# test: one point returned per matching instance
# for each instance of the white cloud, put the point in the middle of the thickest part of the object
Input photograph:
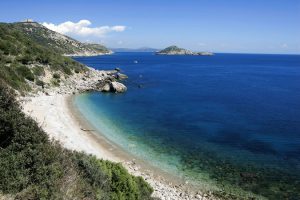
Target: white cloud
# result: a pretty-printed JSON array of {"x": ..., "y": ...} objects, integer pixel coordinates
[{"x": 82, "y": 28}]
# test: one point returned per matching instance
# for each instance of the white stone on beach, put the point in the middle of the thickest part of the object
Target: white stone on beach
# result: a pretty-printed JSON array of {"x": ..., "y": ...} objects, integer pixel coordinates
[
  {"x": 106, "y": 87},
  {"x": 118, "y": 87}
]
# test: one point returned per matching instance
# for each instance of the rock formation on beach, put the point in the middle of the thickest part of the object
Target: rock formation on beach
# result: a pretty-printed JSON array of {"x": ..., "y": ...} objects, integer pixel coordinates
[
  {"x": 174, "y": 50},
  {"x": 112, "y": 86},
  {"x": 90, "y": 80}
]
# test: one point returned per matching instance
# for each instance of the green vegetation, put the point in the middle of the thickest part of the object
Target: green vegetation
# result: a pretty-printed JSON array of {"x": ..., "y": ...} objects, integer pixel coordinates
[
  {"x": 98, "y": 47},
  {"x": 23, "y": 58},
  {"x": 11, "y": 76},
  {"x": 171, "y": 48},
  {"x": 34, "y": 167},
  {"x": 40, "y": 83},
  {"x": 55, "y": 41},
  {"x": 56, "y": 76},
  {"x": 25, "y": 72},
  {"x": 38, "y": 71}
]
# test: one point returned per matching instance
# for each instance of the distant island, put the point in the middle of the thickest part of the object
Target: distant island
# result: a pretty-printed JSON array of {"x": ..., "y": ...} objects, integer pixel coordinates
[{"x": 174, "y": 50}]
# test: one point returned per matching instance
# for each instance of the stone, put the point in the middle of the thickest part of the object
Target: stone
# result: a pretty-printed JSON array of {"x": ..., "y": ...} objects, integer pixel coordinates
[
  {"x": 117, "y": 87},
  {"x": 106, "y": 87},
  {"x": 120, "y": 76}
]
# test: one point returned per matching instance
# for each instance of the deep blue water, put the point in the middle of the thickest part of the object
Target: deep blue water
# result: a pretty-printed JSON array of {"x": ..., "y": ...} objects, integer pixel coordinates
[{"x": 207, "y": 118}]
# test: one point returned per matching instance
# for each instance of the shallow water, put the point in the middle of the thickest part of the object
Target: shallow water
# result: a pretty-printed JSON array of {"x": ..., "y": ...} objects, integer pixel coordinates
[{"x": 228, "y": 119}]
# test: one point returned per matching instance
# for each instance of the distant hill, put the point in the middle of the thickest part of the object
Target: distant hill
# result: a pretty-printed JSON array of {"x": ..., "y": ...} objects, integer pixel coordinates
[
  {"x": 142, "y": 49},
  {"x": 174, "y": 50},
  {"x": 60, "y": 43},
  {"x": 99, "y": 47}
]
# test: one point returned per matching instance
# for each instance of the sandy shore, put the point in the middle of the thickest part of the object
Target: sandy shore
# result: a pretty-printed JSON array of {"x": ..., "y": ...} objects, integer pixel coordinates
[{"x": 60, "y": 120}]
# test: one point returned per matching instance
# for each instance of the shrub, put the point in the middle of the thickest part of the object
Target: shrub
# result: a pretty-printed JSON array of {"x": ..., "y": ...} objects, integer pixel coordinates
[
  {"x": 55, "y": 82},
  {"x": 56, "y": 76},
  {"x": 25, "y": 72},
  {"x": 40, "y": 83},
  {"x": 25, "y": 59},
  {"x": 38, "y": 71}
]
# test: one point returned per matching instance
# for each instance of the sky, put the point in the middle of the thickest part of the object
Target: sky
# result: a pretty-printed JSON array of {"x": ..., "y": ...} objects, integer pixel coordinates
[{"x": 235, "y": 26}]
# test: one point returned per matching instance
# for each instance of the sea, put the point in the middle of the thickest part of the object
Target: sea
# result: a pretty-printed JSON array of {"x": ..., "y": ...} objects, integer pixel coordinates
[{"x": 228, "y": 121}]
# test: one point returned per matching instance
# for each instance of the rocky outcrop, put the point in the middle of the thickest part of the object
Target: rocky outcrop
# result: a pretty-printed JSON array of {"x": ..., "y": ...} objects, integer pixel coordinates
[
  {"x": 111, "y": 86},
  {"x": 117, "y": 87},
  {"x": 91, "y": 80},
  {"x": 120, "y": 76}
]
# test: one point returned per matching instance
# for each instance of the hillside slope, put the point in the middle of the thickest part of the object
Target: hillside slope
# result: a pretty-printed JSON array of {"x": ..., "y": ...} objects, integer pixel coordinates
[
  {"x": 58, "y": 42},
  {"x": 24, "y": 61}
]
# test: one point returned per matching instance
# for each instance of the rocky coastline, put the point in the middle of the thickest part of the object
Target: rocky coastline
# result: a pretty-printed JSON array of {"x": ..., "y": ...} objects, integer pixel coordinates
[
  {"x": 90, "y": 80},
  {"x": 88, "y": 54}
]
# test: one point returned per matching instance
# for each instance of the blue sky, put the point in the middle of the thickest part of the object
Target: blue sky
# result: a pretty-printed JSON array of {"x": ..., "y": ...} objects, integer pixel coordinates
[{"x": 256, "y": 26}]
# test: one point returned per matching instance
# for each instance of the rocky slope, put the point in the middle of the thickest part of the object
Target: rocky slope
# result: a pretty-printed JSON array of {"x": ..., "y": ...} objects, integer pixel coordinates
[
  {"x": 28, "y": 63},
  {"x": 90, "y": 80},
  {"x": 59, "y": 42},
  {"x": 174, "y": 50}
]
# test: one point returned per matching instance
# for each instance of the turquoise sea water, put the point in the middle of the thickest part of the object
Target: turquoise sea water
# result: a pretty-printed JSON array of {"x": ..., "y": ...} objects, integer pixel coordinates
[{"x": 229, "y": 120}]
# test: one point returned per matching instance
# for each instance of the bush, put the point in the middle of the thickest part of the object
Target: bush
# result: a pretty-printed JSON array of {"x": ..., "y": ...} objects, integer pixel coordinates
[
  {"x": 112, "y": 178},
  {"x": 25, "y": 72},
  {"x": 55, "y": 82},
  {"x": 38, "y": 71},
  {"x": 39, "y": 83},
  {"x": 25, "y": 59},
  {"x": 56, "y": 76}
]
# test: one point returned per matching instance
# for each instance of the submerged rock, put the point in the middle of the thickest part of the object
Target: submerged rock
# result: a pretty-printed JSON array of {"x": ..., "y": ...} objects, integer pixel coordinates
[{"x": 120, "y": 76}]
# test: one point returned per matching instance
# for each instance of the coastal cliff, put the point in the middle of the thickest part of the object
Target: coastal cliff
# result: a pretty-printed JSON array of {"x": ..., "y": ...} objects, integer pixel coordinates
[{"x": 174, "y": 50}]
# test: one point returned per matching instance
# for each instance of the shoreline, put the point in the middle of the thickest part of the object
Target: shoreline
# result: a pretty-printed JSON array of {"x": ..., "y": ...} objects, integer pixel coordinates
[{"x": 62, "y": 121}]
